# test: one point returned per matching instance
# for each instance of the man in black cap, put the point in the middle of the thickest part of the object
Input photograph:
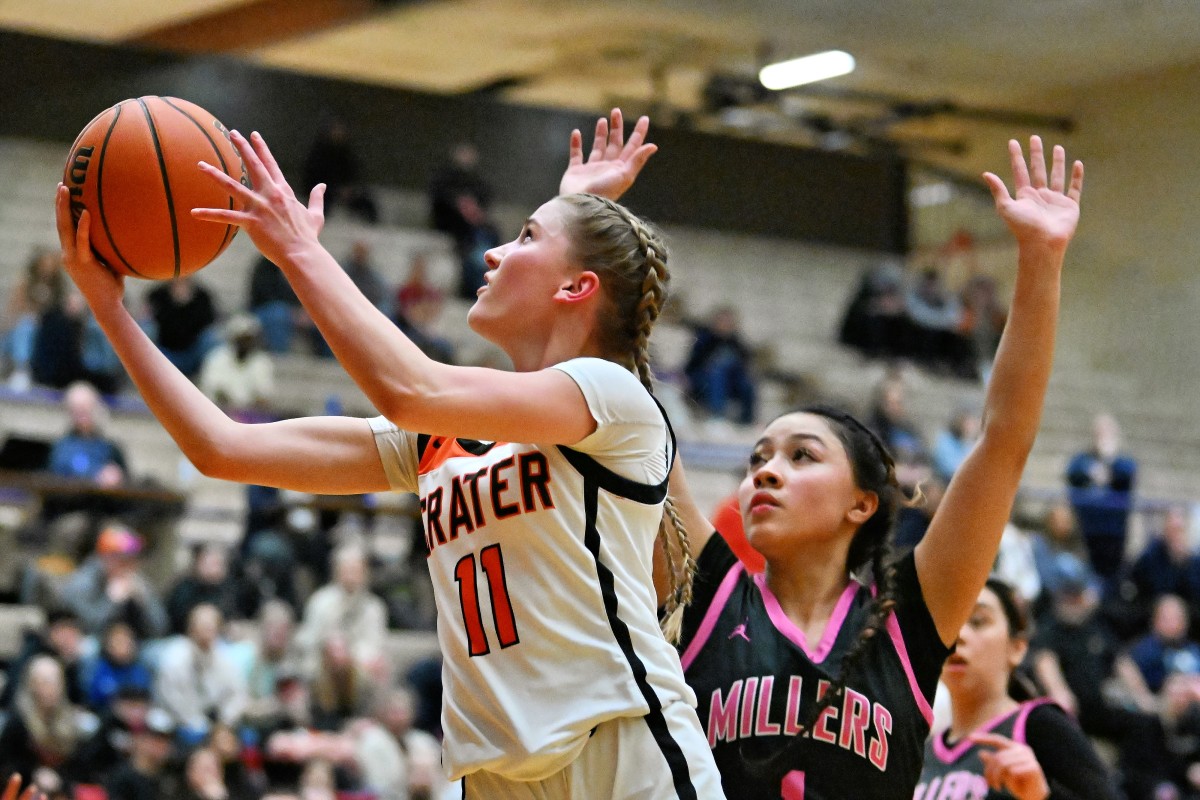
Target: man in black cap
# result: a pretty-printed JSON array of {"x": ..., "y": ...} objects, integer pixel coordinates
[
  {"x": 144, "y": 776},
  {"x": 112, "y": 743}
]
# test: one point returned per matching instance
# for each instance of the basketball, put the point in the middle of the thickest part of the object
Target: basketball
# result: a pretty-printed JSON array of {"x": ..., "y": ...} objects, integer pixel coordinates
[{"x": 134, "y": 168}]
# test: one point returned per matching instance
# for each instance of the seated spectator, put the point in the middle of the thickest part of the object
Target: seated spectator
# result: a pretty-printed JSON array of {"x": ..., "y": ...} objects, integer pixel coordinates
[
  {"x": 1016, "y": 565},
  {"x": 184, "y": 317},
  {"x": 1100, "y": 483},
  {"x": 110, "y": 586},
  {"x": 419, "y": 323},
  {"x": 197, "y": 683},
  {"x": 207, "y": 776},
  {"x": 1074, "y": 655},
  {"x": 1181, "y": 717},
  {"x": 57, "y": 357},
  {"x": 417, "y": 287},
  {"x": 366, "y": 277},
  {"x": 397, "y": 760},
  {"x": 112, "y": 743},
  {"x": 275, "y": 661},
  {"x": 333, "y": 161},
  {"x": 1166, "y": 650},
  {"x": 208, "y": 582},
  {"x": 983, "y": 320},
  {"x": 875, "y": 322},
  {"x": 275, "y": 304},
  {"x": 145, "y": 775},
  {"x": 348, "y": 607},
  {"x": 239, "y": 764},
  {"x": 481, "y": 236},
  {"x": 890, "y": 420},
  {"x": 935, "y": 317},
  {"x": 1058, "y": 535},
  {"x": 1169, "y": 564},
  {"x": 45, "y": 729},
  {"x": 62, "y": 642},
  {"x": 719, "y": 368},
  {"x": 40, "y": 287},
  {"x": 84, "y": 451},
  {"x": 119, "y": 664},
  {"x": 341, "y": 689},
  {"x": 954, "y": 442},
  {"x": 238, "y": 374},
  {"x": 452, "y": 182}
]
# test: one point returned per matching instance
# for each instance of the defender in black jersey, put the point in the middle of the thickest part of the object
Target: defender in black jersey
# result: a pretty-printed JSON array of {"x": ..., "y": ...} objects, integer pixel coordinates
[
  {"x": 814, "y": 680},
  {"x": 756, "y": 678},
  {"x": 997, "y": 748}
]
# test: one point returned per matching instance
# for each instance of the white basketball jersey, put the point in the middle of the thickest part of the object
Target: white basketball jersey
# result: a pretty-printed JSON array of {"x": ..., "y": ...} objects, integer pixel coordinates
[{"x": 541, "y": 565}]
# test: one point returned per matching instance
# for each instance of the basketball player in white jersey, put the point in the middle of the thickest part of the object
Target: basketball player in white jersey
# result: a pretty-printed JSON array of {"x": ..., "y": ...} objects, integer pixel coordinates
[{"x": 542, "y": 490}]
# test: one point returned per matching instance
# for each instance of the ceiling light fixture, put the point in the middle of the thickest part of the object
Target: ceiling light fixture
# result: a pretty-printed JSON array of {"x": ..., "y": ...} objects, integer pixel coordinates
[{"x": 808, "y": 69}]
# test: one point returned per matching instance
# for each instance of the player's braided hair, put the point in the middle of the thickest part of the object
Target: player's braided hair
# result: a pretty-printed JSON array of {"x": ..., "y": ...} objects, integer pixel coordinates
[
  {"x": 630, "y": 258},
  {"x": 874, "y": 471},
  {"x": 1021, "y": 685}
]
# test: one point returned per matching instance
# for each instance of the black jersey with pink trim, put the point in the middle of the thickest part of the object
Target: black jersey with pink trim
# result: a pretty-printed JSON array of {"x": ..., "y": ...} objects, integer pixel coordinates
[
  {"x": 1073, "y": 770},
  {"x": 756, "y": 683}
]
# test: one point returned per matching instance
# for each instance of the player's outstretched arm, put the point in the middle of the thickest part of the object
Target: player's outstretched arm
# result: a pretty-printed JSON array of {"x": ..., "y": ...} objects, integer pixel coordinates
[
  {"x": 329, "y": 455},
  {"x": 410, "y": 389},
  {"x": 613, "y": 164},
  {"x": 954, "y": 558}
]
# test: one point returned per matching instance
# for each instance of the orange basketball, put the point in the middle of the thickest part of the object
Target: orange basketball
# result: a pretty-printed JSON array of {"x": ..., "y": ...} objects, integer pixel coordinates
[{"x": 134, "y": 168}]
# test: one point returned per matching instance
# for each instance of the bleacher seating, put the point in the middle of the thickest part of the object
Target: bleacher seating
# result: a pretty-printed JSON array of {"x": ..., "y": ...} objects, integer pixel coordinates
[{"x": 794, "y": 303}]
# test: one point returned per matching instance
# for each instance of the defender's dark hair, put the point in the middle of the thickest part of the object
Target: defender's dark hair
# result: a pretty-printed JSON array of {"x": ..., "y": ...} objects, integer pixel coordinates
[
  {"x": 1021, "y": 685},
  {"x": 874, "y": 470}
]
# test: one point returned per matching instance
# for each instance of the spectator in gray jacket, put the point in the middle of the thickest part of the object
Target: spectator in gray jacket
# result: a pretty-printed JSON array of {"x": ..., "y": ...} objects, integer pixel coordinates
[{"x": 110, "y": 586}]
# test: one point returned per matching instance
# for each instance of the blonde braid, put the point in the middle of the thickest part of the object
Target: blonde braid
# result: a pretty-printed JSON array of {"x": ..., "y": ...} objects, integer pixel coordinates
[
  {"x": 636, "y": 278},
  {"x": 680, "y": 563}
]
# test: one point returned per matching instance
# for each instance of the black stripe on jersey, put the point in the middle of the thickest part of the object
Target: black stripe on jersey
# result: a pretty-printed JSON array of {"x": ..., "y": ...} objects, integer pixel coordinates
[
  {"x": 472, "y": 446},
  {"x": 594, "y": 476},
  {"x": 604, "y": 478}
]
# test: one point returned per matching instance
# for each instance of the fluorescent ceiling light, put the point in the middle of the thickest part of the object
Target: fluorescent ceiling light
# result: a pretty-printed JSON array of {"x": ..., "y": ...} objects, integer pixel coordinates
[{"x": 809, "y": 69}]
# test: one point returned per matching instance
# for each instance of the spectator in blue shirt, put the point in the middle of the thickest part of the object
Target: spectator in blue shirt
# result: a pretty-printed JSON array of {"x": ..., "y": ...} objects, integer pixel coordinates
[
  {"x": 1166, "y": 650},
  {"x": 84, "y": 452},
  {"x": 1100, "y": 482},
  {"x": 118, "y": 665}
]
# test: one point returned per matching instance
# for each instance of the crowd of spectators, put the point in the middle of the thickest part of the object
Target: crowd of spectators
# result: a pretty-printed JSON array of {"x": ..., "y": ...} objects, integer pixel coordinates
[
  {"x": 135, "y": 691},
  {"x": 1116, "y": 636},
  {"x": 903, "y": 314},
  {"x": 233, "y": 680}
]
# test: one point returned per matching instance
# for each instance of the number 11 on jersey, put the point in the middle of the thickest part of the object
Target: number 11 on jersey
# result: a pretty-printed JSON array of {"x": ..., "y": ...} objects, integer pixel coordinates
[{"x": 492, "y": 561}]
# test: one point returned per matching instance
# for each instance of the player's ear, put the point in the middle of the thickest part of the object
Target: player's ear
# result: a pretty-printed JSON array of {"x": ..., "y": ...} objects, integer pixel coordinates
[
  {"x": 865, "y": 504},
  {"x": 579, "y": 288}
]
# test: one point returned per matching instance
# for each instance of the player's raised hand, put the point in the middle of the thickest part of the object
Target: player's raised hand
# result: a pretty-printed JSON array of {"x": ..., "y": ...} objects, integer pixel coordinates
[
  {"x": 97, "y": 283},
  {"x": 14, "y": 786},
  {"x": 276, "y": 221},
  {"x": 1012, "y": 767},
  {"x": 1042, "y": 207},
  {"x": 614, "y": 164}
]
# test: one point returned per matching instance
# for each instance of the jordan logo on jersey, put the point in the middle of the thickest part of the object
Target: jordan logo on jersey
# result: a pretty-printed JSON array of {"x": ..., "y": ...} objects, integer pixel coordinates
[
  {"x": 856, "y": 724},
  {"x": 740, "y": 630},
  {"x": 519, "y": 484}
]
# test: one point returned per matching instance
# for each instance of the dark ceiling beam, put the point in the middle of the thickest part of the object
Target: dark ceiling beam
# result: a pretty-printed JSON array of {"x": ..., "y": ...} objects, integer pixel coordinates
[{"x": 254, "y": 25}]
